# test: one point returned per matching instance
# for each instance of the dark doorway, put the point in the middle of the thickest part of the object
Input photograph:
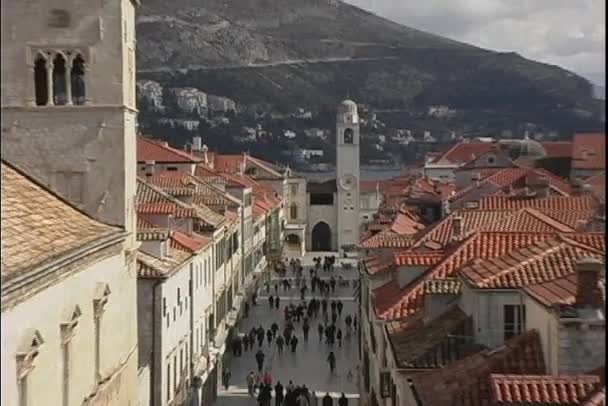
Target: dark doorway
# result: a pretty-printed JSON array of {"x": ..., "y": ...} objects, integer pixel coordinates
[{"x": 321, "y": 237}]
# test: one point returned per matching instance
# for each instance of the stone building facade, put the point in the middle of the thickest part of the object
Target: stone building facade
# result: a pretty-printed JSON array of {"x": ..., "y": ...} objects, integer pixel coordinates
[{"x": 69, "y": 123}]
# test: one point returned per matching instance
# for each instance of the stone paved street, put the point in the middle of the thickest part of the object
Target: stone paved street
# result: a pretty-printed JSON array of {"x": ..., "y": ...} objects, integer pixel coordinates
[{"x": 308, "y": 365}]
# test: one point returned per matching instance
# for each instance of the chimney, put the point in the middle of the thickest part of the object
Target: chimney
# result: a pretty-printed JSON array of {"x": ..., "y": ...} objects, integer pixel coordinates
[
  {"x": 457, "y": 227},
  {"x": 189, "y": 148},
  {"x": 588, "y": 271},
  {"x": 477, "y": 178},
  {"x": 541, "y": 186},
  {"x": 197, "y": 143},
  {"x": 205, "y": 149},
  {"x": 150, "y": 168},
  {"x": 586, "y": 189}
]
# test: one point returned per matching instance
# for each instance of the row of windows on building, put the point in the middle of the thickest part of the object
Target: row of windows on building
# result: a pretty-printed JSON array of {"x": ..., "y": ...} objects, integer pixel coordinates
[{"x": 59, "y": 78}]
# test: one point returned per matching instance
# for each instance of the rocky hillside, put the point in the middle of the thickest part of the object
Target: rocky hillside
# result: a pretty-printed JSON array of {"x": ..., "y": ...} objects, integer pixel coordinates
[{"x": 312, "y": 53}]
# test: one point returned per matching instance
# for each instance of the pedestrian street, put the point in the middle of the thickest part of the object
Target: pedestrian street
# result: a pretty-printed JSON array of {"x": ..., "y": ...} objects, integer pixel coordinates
[{"x": 308, "y": 365}]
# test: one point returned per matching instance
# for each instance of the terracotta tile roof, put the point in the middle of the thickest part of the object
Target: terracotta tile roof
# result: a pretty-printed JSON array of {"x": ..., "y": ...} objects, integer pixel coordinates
[
  {"x": 445, "y": 286},
  {"x": 589, "y": 151},
  {"x": 430, "y": 345},
  {"x": 386, "y": 239},
  {"x": 597, "y": 398},
  {"x": 464, "y": 152},
  {"x": 399, "y": 303},
  {"x": 188, "y": 243},
  {"x": 272, "y": 169},
  {"x": 152, "y": 200},
  {"x": 229, "y": 163},
  {"x": 535, "y": 263},
  {"x": 414, "y": 258},
  {"x": 548, "y": 203},
  {"x": 160, "y": 152},
  {"x": 542, "y": 389},
  {"x": 467, "y": 381},
  {"x": 376, "y": 264},
  {"x": 557, "y": 149},
  {"x": 209, "y": 175},
  {"x": 404, "y": 224},
  {"x": 149, "y": 266},
  {"x": 561, "y": 291},
  {"x": 473, "y": 220},
  {"x": 38, "y": 226}
]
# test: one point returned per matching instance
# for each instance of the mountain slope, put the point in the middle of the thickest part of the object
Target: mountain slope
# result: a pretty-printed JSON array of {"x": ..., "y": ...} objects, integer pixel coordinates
[{"x": 312, "y": 53}]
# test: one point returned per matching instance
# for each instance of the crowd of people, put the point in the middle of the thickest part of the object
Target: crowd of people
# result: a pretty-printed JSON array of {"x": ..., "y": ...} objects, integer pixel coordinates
[{"x": 326, "y": 313}]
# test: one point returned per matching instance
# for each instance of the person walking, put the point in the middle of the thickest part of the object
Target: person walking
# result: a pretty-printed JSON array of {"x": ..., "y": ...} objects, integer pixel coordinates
[
  {"x": 280, "y": 344},
  {"x": 226, "y": 375},
  {"x": 332, "y": 283},
  {"x": 343, "y": 401},
  {"x": 327, "y": 400},
  {"x": 320, "y": 331},
  {"x": 269, "y": 337},
  {"x": 260, "y": 333},
  {"x": 340, "y": 306},
  {"x": 349, "y": 321},
  {"x": 355, "y": 322},
  {"x": 246, "y": 309},
  {"x": 305, "y": 329},
  {"x": 259, "y": 358},
  {"x": 265, "y": 396},
  {"x": 271, "y": 301},
  {"x": 331, "y": 359},
  {"x": 276, "y": 289},
  {"x": 267, "y": 378},
  {"x": 293, "y": 343},
  {"x": 254, "y": 299},
  {"x": 251, "y": 383},
  {"x": 333, "y": 306},
  {"x": 278, "y": 394},
  {"x": 277, "y": 300},
  {"x": 302, "y": 400},
  {"x": 339, "y": 337},
  {"x": 324, "y": 306},
  {"x": 246, "y": 342},
  {"x": 274, "y": 327}
]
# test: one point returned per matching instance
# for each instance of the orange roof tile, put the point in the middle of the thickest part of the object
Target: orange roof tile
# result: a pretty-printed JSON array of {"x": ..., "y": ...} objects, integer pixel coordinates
[
  {"x": 409, "y": 300},
  {"x": 589, "y": 151},
  {"x": 375, "y": 264},
  {"x": 547, "y": 203},
  {"x": 160, "y": 151},
  {"x": 536, "y": 263},
  {"x": 413, "y": 258},
  {"x": 557, "y": 149},
  {"x": 542, "y": 389},
  {"x": 467, "y": 382},
  {"x": 464, "y": 152},
  {"x": 188, "y": 243},
  {"x": 386, "y": 239},
  {"x": 561, "y": 291}
]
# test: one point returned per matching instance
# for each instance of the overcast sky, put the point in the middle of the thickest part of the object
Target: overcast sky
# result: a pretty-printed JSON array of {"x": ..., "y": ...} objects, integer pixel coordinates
[{"x": 568, "y": 33}]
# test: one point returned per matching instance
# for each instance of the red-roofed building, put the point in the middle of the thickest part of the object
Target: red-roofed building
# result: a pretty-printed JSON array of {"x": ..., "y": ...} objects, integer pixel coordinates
[
  {"x": 588, "y": 155},
  {"x": 157, "y": 156}
]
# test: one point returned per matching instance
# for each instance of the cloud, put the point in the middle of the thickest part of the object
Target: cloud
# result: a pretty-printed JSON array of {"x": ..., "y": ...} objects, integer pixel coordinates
[{"x": 568, "y": 33}]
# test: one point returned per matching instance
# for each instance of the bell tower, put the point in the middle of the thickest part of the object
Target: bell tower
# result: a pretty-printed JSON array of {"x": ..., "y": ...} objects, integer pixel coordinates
[
  {"x": 347, "y": 171},
  {"x": 68, "y": 101}
]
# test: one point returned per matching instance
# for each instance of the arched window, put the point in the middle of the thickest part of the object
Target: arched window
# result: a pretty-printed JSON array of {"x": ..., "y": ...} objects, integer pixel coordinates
[
  {"x": 41, "y": 81},
  {"x": 348, "y": 136},
  {"x": 293, "y": 211},
  {"x": 77, "y": 80},
  {"x": 59, "y": 80}
]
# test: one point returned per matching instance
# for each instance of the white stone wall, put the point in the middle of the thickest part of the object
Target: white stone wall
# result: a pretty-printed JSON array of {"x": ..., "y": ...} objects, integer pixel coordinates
[
  {"x": 545, "y": 321},
  {"x": 45, "y": 312},
  {"x": 487, "y": 309},
  {"x": 299, "y": 199},
  {"x": 175, "y": 334}
]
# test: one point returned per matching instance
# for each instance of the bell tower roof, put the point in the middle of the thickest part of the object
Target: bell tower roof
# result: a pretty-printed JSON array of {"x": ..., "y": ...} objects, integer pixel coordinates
[{"x": 348, "y": 106}]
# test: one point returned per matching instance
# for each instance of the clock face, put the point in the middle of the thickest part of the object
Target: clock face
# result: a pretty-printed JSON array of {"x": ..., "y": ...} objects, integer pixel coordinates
[{"x": 348, "y": 182}]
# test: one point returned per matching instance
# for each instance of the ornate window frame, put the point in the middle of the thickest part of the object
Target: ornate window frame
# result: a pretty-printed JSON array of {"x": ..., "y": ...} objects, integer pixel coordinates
[
  {"x": 27, "y": 352},
  {"x": 49, "y": 52}
]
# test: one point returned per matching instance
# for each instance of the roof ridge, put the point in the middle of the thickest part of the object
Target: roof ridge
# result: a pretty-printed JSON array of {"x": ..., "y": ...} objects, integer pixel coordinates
[
  {"x": 564, "y": 237},
  {"x": 161, "y": 144},
  {"x": 547, "y": 219}
]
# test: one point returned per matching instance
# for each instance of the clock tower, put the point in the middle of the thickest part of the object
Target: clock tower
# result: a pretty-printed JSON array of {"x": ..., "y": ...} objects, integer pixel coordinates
[{"x": 347, "y": 171}]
